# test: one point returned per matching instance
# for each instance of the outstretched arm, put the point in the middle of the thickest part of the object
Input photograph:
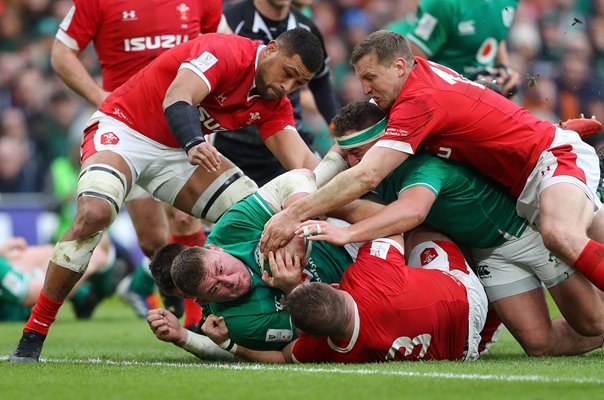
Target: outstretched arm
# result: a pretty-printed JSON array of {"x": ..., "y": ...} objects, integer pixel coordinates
[
  {"x": 166, "y": 327},
  {"x": 407, "y": 212},
  {"x": 215, "y": 328},
  {"x": 341, "y": 190}
]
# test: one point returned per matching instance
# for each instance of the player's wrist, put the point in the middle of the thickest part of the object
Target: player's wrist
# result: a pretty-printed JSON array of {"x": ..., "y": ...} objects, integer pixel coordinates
[{"x": 228, "y": 345}]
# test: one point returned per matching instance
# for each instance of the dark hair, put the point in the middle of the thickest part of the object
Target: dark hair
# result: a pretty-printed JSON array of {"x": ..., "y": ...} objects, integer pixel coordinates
[
  {"x": 161, "y": 266},
  {"x": 387, "y": 47},
  {"x": 317, "y": 309},
  {"x": 188, "y": 270},
  {"x": 355, "y": 117},
  {"x": 305, "y": 44}
]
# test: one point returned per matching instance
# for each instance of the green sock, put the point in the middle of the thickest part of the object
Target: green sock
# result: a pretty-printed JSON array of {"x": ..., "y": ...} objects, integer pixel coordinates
[{"x": 142, "y": 281}]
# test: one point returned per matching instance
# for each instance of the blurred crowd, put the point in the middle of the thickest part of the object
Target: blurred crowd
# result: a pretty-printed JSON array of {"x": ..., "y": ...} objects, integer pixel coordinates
[{"x": 556, "y": 45}]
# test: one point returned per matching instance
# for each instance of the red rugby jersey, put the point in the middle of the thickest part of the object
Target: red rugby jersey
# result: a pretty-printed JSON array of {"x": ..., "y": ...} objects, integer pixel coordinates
[
  {"x": 463, "y": 121},
  {"x": 129, "y": 34},
  {"x": 404, "y": 314},
  {"x": 227, "y": 63}
]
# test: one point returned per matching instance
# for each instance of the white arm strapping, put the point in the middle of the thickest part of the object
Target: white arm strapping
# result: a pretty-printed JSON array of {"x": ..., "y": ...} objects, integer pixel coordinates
[
  {"x": 331, "y": 165},
  {"x": 280, "y": 189},
  {"x": 203, "y": 347}
]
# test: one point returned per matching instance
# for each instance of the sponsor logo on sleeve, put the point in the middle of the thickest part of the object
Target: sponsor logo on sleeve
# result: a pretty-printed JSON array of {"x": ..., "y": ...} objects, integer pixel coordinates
[
  {"x": 379, "y": 249},
  {"x": 396, "y": 132},
  {"x": 279, "y": 335},
  {"x": 205, "y": 61}
]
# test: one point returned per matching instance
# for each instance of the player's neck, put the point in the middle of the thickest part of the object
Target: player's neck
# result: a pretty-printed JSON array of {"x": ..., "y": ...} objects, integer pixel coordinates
[{"x": 271, "y": 12}]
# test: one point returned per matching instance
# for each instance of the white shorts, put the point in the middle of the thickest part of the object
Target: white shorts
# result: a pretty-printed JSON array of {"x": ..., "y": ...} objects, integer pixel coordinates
[
  {"x": 137, "y": 193},
  {"x": 477, "y": 298},
  {"x": 518, "y": 266},
  {"x": 568, "y": 159},
  {"x": 160, "y": 170}
]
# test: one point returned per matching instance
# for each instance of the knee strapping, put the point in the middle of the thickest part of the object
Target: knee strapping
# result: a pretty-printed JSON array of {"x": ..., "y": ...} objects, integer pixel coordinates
[
  {"x": 103, "y": 182},
  {"x": 75, "y": 254},
  {"x": 229, "y": 188}
]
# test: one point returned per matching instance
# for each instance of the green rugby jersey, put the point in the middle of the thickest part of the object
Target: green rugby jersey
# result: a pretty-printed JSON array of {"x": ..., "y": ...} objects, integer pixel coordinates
[
  {"x": 13, "y": 290},
  {"x": 461, "y": 34},
  {"x": 469, "y": 208},
  {"x": 256, "y": 320}
]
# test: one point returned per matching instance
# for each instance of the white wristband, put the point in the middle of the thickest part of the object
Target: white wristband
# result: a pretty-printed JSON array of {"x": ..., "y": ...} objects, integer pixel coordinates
[
  {"x": 228, "y": 345},
  {"x": 204, "y": 348}
]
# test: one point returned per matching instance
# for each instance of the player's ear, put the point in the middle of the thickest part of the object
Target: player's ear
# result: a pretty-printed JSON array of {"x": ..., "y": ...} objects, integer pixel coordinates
[
  {"x": 335, "y": 286},
  {"x": 272, "y": 48},
  {"x": 401, "y": 66}
]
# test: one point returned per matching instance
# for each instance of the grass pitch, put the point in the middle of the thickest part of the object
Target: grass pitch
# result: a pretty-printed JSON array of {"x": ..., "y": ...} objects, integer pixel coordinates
[{"x": 115, "y": 356}]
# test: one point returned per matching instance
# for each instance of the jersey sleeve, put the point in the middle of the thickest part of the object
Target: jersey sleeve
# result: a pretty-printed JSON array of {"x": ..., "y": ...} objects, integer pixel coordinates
[
  {"x": 211, "y": 60},
  {"x": 433, "y": 24},
  {"x": 309, "y": 349},
  {"x": 269, "y": 331},
  {"x": 282, "y": 118},
  {"x": 428, "y": 175},
  {"x": 410, "y": 122},
  {"x": 80, "y": 24},
  {"x": 211, "y": 15}
]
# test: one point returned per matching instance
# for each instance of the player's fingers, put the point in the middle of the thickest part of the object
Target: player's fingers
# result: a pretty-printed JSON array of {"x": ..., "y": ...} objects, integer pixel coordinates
[
  {"x": 267, "y": 278},
  {"x": 300, "y": 228},
  {"x": 214, "y": 158}
]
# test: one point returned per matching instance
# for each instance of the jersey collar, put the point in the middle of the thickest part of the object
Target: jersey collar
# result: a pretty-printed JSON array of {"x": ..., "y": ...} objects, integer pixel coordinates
[
  {"x": 253, "y": 92},
  {"x": 260, "y": 25},
  {"x": 355, "y": 334}
]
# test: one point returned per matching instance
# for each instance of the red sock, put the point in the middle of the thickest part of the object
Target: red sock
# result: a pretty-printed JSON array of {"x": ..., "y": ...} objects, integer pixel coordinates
[
  {"x": 195, "y": 239},
  {"x": 192, "y": 312},
  {"x": 42, "y": 315},
  {"x": 591, "y": 263}
]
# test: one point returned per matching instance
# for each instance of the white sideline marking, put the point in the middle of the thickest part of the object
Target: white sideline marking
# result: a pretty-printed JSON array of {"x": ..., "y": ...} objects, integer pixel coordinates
[{"x": 365, "y": 371}]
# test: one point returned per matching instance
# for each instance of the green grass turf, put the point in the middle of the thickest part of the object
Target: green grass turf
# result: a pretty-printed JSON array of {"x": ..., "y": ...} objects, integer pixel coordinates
[{"x": 115, "y": 356}]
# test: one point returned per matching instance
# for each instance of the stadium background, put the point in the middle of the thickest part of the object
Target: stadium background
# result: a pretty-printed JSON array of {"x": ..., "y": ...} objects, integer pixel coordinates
[{"x": 556, "y": 45}]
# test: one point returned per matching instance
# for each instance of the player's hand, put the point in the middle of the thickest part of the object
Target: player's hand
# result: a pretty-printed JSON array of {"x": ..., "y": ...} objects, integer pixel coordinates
[
  {"x": 277, "y": 232},
  {"x": 286, "y": 270},
  {"x": 12, "y": 247},
  {"x": 585, "y": 127},
  {"x": 321, "y": 230},
  {"x": 508, "y": 80},
  {"x": 215, "y": 328},
  {"x": 205, "y": 155},
  {"x": 166, "y": 327}
]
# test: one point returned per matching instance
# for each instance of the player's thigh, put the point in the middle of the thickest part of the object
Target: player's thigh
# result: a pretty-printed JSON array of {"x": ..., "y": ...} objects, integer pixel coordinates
[
  {"x": 527, "y": 318},
  {"x": 565, "y": 208},
  {"x": 148, "y": 217},
  {"x": 580, "y": 304},
  {"x": 596, "y": 229}
]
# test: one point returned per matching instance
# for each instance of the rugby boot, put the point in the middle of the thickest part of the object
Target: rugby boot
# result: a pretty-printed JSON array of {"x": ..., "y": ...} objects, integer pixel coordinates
[
  {"x": 29, "y": 348},
  {"x": 585, "y": 127}
]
